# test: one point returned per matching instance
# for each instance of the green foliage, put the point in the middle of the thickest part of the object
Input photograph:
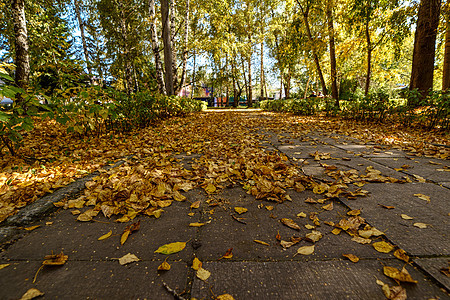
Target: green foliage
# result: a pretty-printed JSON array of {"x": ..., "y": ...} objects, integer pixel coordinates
[{"x": 373, "y": 107}]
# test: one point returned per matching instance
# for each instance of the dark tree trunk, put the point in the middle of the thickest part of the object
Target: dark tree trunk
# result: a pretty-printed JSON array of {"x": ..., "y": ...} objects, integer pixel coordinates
[
  {"x": 22, "y": 59},
  {"x": 168, "y": 58},
  {"x": 369, "y": 57},
  {"x": 333, "y": 71},
  {"x": 126, "y": 50},
  {"x": 446, "y": 67},
  {"x": 424, "y": 46},
  {"x": 155, "y": 48}
]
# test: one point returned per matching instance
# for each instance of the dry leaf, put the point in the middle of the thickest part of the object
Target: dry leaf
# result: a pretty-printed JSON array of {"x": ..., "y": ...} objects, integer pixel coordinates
[
  {"x": 225, "y": 297},
  {"x": 392, "y": 293},
  {"x": 128, "y": 258},
  {"x": 308, "y": 226},
  {"x": 196, "y": 204},
  {"x": 306, "y": 250},
  {"x": 269, "y": 207},
  {"x": 171, "y": 248},
  {"x": 196, "y": 224},
  {"x": 196, "y": 264},
  {"x": 355, "y": 212},
  {"x": 261, "y": 242},
  {"x": 383, "y": 247},
  {"x": 31, "y": 294},
  {"x": 406, "y": 217},
  {"x": 328, "y": 206},
  {"x": 314, "y": 236},
  {"x": 402, "y": 275},
  {"x": 420, "y": 225},
  {"x": 84, "y": 218},
  {"x": 240, "y": 210},
  {"x": 361, "y": 240},
  {"x": 124, "y": 236},
  {"x": 336, "y": 231},
  {"x": 423, "y": 197},
  {"x": 105, "y": 236},
  {"x": 210, "y": 188},
  {"x": 401, "y": 254},
  {"x": 2, "y": 266},
  {"x": 290, "y": 223},
  {"x": 351, "y": 257},
  {"x": 301, "y": 215},
  {"x": 228, "y": 254},
  {"x": 420, "y": 179},
  {"x": 203, "y": 274},
  {"x": 55, "y": 259},
  {"x": 387, "y": 206},
  {"x": 32, "y": 227},
  {"x": 164, "y": 266}
]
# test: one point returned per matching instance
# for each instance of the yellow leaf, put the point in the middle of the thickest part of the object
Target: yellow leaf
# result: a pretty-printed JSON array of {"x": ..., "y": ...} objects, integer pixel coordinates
[
  {"x": 164, "y": 266},
  {"x": 105, "y": 236},
  {"x": 269, "y": 207},
  {"x": 203, "y": 274},
  {"x": 196, "y": 224},
  {"x": 351, "y": 257},
  {"x": 361, "y": 240},
  {"x": 402, "y": 275},
  {"x": 240, "y": 210},
  {"x": 308, "y": 226},
  {"x": 128, "y": 258},
  {"x": 301, "y": 215},
  {"x": 423, "y": 197},
  {"x": 261, "y": 242},
  {"x": 328, "y": 206},
  {"x": 2, "y": 266},
  {"x": 32, "y": 227},
  {"x": 76, "y": 212},
  {"x": 401, "y": 254},
  {"x": 406, "y": 217},
  {"x": 228, "y": 254},
  {"x": 383, "y": 247},
  {"x": 314, "y": 236},
  {"x": 31, "y": 294},
  {"x": 196, "y": 204},
  {"x": 55, "y": 259},
  {"x": 225, "y": 297},
  {"x": 177, "y": 196},
  {"x": 336, "y": 231},
  {"x": 124, "y": 236},
  {"x": 305, "y": 250},
  {"x": 420, "y": 225},
  {"x": 290, "y": 223},
  {"x": 354, "y": 212},
  {"x": 210, "y": 188},
  {"x": 171, "y": 248},
  {"x": 196, "y": 264}
]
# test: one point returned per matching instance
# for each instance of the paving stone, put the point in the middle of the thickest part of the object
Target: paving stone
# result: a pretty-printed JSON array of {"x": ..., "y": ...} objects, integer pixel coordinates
[
  {"x": 333, "y": 279},
  {"x": 433, "y": 240},
  {"x": 433, "y": 267},
  {"x": 93, "y": 280}
]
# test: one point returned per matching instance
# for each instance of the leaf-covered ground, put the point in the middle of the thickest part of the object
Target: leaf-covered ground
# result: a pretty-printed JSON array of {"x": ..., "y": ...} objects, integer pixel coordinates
[{"x": 225, "y": 146}]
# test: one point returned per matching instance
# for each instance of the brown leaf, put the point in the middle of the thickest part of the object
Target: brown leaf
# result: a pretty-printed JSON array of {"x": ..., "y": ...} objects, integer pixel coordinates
[
  {"x": 401, "y": 254},
  {"x": 164, "y": 266},
  {"x": 402, "y": 275},
  {"x": 261, "y": 242},
  {"x": 328, "y": 206},
  {"x": 228, "y": 254},
  {"x": 351, "y": 257},
  {"x": 290, "y": 223},
  {"x": 196, "y": 204},
  {"x": 55, "y": 259},
  {"x": 32, "y": 227},
  {"x": 387, "y": 206}
]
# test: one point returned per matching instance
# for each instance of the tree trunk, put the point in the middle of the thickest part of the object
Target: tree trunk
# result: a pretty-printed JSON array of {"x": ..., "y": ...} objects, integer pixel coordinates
[
  {"x": 168, "y": 58},
  {"x": 424, "y": 46},
  {"x": 333, "y": 71},
  {"x": 369, "y": 57},
  {"x": 446, "y": 67},
  {"x": 155, "y": 47},
  {"x": 83, "y": 39},
  {"x": 249, "y": 61},
  {"x": 316, "y": 57},
  {"x": 262, "y": 70},
  {"x": 126, "y": 50},
  {"x": 307, "y": 87},
  {"x": 172, "y": 23},
  {"x": 185, "y": 50},
  {"x": 22, "y": 59},
  {"x": 287, "y": 84}
]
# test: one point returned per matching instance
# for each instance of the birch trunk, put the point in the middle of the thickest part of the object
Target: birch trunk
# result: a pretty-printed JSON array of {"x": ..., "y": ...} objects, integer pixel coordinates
[
  {"x": 185, "y": 50},
  {"x": 155, "y": 48},
  {"x": 83, "y": 38},
  {"x": 22, "y": 59}
]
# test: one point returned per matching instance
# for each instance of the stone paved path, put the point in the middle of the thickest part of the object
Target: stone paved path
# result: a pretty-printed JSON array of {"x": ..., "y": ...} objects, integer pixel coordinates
[{"x": 255, "y": 271}]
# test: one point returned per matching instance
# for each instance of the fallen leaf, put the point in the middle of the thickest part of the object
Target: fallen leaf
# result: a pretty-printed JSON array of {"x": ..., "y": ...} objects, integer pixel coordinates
[
  {"x": 336, "y": 231},
  {"x": 225, "y": 297},
  {"x": 392, "y": 293},
  {"x": 196, "y": 204},
  {"x": 84, "y": 218},
  {"x": 171, "y": 248},
  {"x": 124, "y": 236},
  {"x": 31, "y": 294},
  {"x": 278, "y": 236},
  {"x": 269, "y": 207},
  {"x": 32, "y": 227},
  {"x": 128, "y": 258},
  {"x": 308, "y": 226},
  {"x": 306, "y": 250},
  {"x": 203, "y": 274},
  {"x": 48, "y": 223},
  {"x": 423, "y": 197},
  {"x": 290, "y": 223},
  {"x": 420, "y": 179},
  {"x": 196, "y": 224},
  {"x": 310, "y": 200},
  {"x": 55, "y": 259},
  {"x": 355, "y": 212},
  {"x": 420, "y": 225},
  {"x": 196, "y": 264},
  {"x": 210, "y": 188},
  {"x": 228, "y": 254},
  {"x": 387, "y": 206},
  {"x": 401, "y": 254},
  {"x": 402, "y": 275},
  {"x": 361, "y": 240},
  {"x": 240, "y": 210},
  {"x": 314, "y": 236},
  {"x": 105, "y": 236},
  {"x": 301, "y": 215},
  {"x": 406, "y": 217},
  {"x": 164, "y": 266},
  {"x": 2, "y": 266},
  {"x": 383, "y": 247},
  {"x": 76, "y": 212},
  {"x": 351, "y": 257},
  {"x": 261, "y": 242},
  {"x": 328, "y": 206}
]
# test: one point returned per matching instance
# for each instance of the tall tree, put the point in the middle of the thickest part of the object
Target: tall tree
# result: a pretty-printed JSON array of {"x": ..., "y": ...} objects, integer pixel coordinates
[
  {"x": 22, "y": 59},
  {"x": 155, "y": 47},
  {"x": 83, "y": 37},
  {"x": 424, "y": 46},
  {"x": 446, "y": 68},
  {"x": 333, "y": 72},
  {"x": 168, "y": 54}
]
